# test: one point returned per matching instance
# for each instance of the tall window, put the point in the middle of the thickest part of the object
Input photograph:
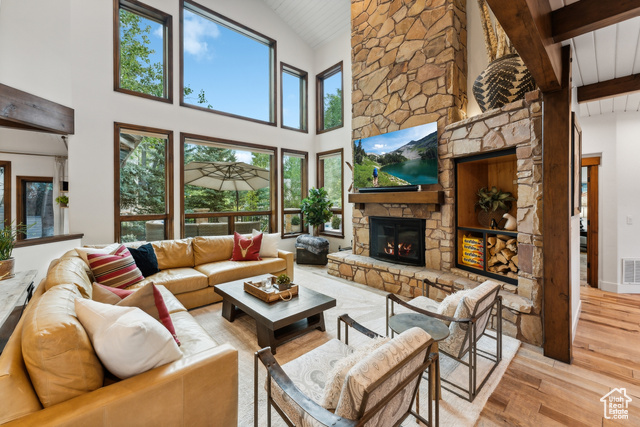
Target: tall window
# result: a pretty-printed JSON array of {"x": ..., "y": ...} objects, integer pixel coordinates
[
  {"x": 227, "y": 186},
  {"x": 142, "y": 51},
  {"x": 330, "y": 176},
  {"x": 294, "y": 189},
  {"x": 35, "y": 205},
  {"x": 5, "y": 192},
  {"x": 329, "y": 99},
  {"x": 293, "y": 98},
  {"x": 143, "y": 183},
  {"x": 227, "y": 68}
]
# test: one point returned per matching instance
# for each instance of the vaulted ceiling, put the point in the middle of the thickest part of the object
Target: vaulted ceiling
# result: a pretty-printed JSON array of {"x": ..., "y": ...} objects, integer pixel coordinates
[
  {"x": 316, "y": 22},
  {"x": 602, "y": 55}
]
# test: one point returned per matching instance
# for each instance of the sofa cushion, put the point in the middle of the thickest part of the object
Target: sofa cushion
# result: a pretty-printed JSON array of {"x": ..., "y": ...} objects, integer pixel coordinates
[
  {"x": 116, "y": 269},
  {"x": 176, "y": 280},
  {"x": 173, "y": 253},
  {"x": 127, "y": 340},
  {"x": 56, "y": 349},
  {"x": 69, "y": 270},
  {"x": 193, "y": 337},
  {"x": 246, "y": 248},
  {"x": 212, "y": 248},
  {"x": 145, "y": 259},
  {"x": 226, "y": 271}
]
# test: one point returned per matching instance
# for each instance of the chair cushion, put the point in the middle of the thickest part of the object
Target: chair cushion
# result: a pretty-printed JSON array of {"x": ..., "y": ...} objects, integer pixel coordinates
[
  {"x": 226, "y": 271},
  {"x": 56, "y": 348},
  {"x": 424, "y": 303},
  {"x": 309, "y": 373},
  {"x": 336, "y": 377},
  {"x": 70, "y": 270},
  {"x": 127, "y": 340},
  {"x": 212, "y": 248},
  {"x": 374, "y": 367},
  {"x": 450, "y": 304},
  {"x": 471, "y": 299},
  {"x": 173, "y": 253},
  {"x": 176, "y": 280}
]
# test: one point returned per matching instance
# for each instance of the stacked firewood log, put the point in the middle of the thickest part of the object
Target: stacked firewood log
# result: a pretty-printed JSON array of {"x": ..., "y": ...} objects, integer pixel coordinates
[{"x": 502, "y": 252}]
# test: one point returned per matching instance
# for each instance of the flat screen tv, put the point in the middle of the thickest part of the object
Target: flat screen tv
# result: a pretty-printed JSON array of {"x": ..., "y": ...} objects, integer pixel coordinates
[{"x": 394, "y": 159}]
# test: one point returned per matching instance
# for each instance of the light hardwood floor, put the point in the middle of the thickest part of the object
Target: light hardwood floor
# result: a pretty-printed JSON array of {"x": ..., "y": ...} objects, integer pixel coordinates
[{"x": 538, "y": 391}]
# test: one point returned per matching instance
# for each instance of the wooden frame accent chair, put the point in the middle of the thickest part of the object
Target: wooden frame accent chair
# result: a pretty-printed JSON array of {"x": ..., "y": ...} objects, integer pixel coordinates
[
  {"x": 379, "y": 389},
  {"x": 467, "y": 313}
]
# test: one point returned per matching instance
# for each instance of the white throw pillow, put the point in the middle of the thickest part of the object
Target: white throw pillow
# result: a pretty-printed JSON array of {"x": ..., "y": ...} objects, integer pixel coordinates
[
  {"x": 270, "y": 243},
  {"x": 126, "y": 339},
  {"x": 110, "y": 249}
]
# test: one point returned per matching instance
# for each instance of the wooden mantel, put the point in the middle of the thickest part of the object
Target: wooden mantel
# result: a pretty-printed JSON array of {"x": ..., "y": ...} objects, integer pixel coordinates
[
  {"x": 405, "y": 197},
  {"x": 22, "y": 110}
]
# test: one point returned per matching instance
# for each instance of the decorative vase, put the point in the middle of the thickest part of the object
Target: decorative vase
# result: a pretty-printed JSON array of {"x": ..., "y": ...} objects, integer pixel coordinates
[
  {"x": 505, "y": 80},
  {"x": 6, "y": 268},
  {"x": 485, "y": 217},
  {"x": 511, "y": 223}
]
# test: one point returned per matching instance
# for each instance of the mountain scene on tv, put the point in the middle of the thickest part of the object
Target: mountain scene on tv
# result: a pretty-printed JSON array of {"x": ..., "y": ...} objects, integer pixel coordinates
[{"x": 403, "y": 157}]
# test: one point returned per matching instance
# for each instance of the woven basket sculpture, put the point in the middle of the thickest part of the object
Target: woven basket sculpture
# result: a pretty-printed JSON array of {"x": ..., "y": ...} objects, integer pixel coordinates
[{"x": 505, "y": 80}]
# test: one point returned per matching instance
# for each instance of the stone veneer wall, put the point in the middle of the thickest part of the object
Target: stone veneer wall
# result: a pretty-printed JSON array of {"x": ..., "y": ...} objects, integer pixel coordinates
[{"x": 519, "y": 125}]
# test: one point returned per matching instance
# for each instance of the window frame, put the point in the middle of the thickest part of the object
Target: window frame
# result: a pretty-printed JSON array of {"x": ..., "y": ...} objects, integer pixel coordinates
[
  {"x": 320, "y": 182},
  {"x": 158, "y": 16},
  {"x": 243, "y": 29},
  {"x": 21, "y": 212},
  {"x": 320, "y": 78},
  {"x": 304, "y": 97},
  {"x": 304, "y": 187},
  {"x": 168, "y": 216},
  {"x": 7, "y": 191},
  {"x": 273, "y": 213}
]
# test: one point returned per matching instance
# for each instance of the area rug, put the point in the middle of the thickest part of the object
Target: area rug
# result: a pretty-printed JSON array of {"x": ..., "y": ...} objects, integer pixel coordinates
[{"x": 367, "y": 306}]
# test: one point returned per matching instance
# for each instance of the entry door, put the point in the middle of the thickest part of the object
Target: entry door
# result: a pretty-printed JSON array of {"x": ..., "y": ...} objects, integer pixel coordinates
[{"x": 592, "y": 164}]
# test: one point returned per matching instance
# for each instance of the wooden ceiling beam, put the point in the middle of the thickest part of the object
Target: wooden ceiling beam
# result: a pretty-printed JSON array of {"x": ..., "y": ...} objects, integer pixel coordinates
[
  {"x": 528, "y": 26},
  {"x": 609, "y": 88},
  {"x": 585, "y": 16},
  {"x": 22, "y": 110}
]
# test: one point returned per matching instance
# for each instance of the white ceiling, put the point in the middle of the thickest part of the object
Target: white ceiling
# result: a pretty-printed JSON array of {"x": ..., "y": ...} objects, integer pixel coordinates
[
  {"x": 316, "y": 22},
  {"x": 605, "y": 54}
]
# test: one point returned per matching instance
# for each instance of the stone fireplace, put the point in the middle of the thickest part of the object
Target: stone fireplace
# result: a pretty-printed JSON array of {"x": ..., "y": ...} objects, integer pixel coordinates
[{"x": 397, "y": 240}]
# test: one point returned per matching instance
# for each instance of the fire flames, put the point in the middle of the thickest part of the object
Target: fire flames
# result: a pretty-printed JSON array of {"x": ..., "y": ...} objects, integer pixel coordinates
[{"x": 404, "y": 249}]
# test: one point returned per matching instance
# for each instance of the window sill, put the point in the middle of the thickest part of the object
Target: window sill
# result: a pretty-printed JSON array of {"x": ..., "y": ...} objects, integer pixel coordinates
[
  {"x": 44, "y": 240},
  {"x": 329, "y": 234}
]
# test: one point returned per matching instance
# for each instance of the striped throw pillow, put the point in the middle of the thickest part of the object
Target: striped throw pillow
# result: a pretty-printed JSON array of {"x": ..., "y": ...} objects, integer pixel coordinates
[{"x": 117, "y": 269}]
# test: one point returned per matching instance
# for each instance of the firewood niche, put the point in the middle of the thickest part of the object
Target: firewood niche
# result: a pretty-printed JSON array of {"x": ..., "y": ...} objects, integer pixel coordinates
[{"x": 486, "y": 251}]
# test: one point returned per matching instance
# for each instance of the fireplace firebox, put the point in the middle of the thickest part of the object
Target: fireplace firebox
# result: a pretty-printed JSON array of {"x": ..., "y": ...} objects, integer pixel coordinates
[{"x": 399, "y": 240}]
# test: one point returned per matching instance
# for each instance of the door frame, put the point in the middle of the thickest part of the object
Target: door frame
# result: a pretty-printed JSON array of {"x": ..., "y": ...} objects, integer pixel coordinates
[{"x": 592, "y": 164}]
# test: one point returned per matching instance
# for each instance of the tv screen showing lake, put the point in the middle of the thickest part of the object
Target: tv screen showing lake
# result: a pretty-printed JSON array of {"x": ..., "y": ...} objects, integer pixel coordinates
[
  {"x": 415, "y": 171},
  {"x": 403, "y": 157}
]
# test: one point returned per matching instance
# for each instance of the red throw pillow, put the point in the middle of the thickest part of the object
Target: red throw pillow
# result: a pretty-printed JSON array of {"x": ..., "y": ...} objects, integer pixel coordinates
[
  {"x": 148, "y": 298},
  {"x": 246, "y": 248}
]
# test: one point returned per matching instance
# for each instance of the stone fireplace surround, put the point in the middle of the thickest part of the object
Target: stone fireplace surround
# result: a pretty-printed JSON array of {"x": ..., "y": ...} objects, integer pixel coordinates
[{"x": 515, "y": 125}]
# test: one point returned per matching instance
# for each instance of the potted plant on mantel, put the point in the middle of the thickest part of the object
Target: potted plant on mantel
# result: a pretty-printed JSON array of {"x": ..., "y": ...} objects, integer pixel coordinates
[
  {"x": 8, "y": 236},
  {"x": 493, "y": 204}
]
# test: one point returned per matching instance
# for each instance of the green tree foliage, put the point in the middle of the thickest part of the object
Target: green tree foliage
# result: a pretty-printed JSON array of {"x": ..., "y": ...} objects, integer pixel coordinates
[
  {"x": 333, "y": 109},
  {"x": 137, "y": 72},
  {"x": 333, "y": 179},
  {"x": 142, "y": 177},
  {"x": 292, "y": 173},
  {"x": 358, "y": 152}
]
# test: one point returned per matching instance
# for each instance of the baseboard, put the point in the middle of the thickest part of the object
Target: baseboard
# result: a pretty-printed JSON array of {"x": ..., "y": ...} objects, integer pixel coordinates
[
  {"x": 619, "y": 288},
  {"x": 576, "y": 318}
]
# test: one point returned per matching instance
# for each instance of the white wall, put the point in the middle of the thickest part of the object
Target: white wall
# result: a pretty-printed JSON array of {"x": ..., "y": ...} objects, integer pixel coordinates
[
  {"x": 328, "y": 55},
  {"x": 39, "y": 257},
  {"x": 617, "y": 138},
  {"x": 477, "y": 59},
  {"x": 68, "y": 58}
]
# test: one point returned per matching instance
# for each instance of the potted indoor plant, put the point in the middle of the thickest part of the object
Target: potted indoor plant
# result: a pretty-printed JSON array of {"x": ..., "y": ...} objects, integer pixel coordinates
[
  {"x": 315, "y": 209},
  {"x": 8, "y": 235},
  {"x": 492, "y": 205},
  {"x": 63, "y": 201}
]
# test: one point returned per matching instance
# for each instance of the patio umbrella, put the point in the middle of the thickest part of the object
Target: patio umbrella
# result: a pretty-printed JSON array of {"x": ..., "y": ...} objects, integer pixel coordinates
[{"x": 230, "y": 176}]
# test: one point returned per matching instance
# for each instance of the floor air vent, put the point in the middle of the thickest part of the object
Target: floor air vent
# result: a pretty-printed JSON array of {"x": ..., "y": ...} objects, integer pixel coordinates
[{"x": 631, "y": 271}]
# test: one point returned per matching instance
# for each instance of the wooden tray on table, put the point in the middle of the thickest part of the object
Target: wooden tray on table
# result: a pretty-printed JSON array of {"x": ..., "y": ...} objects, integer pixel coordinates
[{"x": 274, "y": 295}]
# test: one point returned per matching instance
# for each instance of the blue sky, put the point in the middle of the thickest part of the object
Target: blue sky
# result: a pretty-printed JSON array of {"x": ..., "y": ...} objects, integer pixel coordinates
[
  {"x": 291, "y": 100},
  {"x": 387, "y": 142}
]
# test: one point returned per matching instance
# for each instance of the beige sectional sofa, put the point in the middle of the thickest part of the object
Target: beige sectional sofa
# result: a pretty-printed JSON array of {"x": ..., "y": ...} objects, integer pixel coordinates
[{"x": 50, "y": 375}]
